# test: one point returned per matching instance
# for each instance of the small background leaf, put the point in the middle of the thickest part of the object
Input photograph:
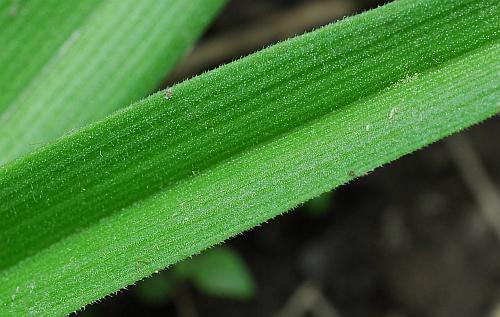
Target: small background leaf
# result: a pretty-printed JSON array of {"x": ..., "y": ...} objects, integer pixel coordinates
[
  {"x": 156, "y": 289},
  {"x": 320, "y": 205},
  {"x": 219, "y": 272}
]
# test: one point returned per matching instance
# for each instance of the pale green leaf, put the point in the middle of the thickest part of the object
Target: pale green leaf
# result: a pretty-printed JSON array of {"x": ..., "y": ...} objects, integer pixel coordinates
[{"x": 103, "y": 55}]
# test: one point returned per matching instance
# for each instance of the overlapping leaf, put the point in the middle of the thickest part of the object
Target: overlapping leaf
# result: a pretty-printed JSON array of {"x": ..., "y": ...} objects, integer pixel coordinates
[{"x": 68, "y": 63}]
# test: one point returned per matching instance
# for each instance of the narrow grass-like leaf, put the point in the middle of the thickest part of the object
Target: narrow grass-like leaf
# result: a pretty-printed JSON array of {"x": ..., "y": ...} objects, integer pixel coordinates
[
  {"x": 31, "y": 33},
  {"x": 113, "y": 56},
  {"x": 180, "y": 171}
]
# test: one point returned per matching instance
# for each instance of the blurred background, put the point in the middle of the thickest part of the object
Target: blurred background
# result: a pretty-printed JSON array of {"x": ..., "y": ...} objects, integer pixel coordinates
[{"x": 417, "y": 238}]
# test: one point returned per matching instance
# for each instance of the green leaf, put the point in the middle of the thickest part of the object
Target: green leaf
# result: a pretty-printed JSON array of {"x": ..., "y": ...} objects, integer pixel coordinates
[
  {"x": 319, "y": 206},
  {"x": 95, "y": 57},
  {"x": 156, "y": 289},
  {"x": 31, "y": 34},
  {"x": 218, "y": 154},
  {"x": 218, "y": 272}
]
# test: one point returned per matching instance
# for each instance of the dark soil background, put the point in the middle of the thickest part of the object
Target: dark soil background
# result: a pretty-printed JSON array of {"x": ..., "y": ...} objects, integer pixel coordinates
[{"x": 419, "y": 237}]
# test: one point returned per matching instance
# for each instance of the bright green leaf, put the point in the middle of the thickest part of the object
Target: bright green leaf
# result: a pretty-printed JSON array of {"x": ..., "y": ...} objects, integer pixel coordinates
[{"x": 232, "y": 148}]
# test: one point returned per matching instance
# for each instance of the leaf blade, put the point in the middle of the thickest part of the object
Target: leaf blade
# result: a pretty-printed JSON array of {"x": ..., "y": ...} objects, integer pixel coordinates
[{"x": 181, "y": 214}]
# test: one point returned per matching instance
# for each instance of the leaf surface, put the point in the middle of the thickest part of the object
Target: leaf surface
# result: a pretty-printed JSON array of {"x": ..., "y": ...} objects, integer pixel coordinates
[{"x": 187, "y": 168}]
